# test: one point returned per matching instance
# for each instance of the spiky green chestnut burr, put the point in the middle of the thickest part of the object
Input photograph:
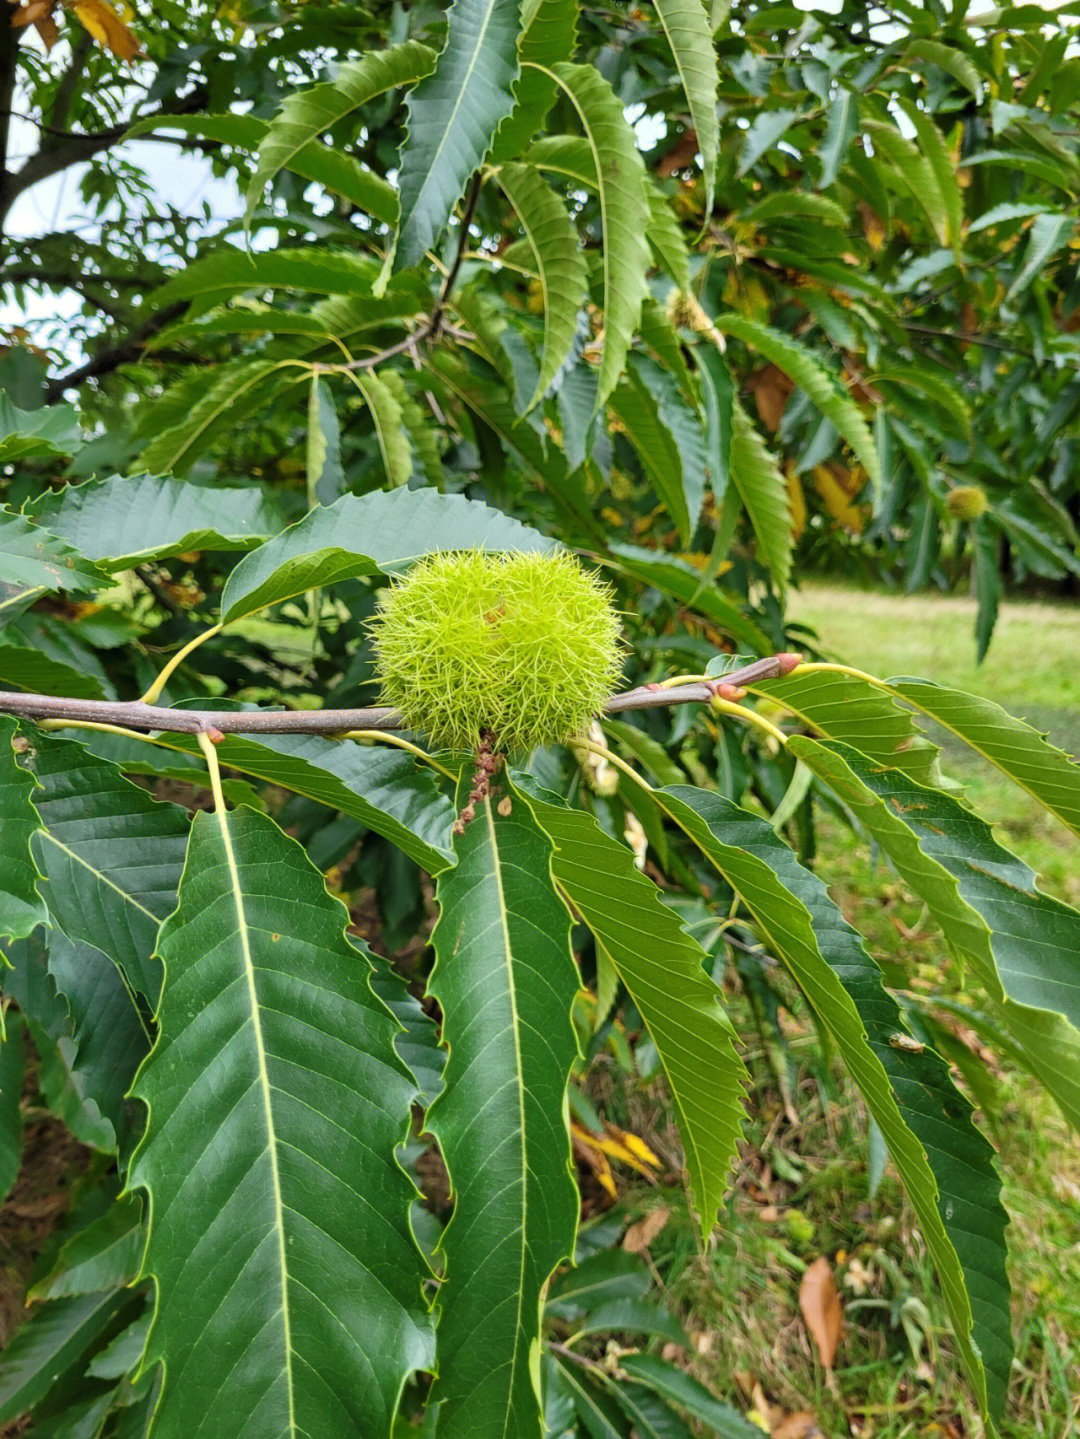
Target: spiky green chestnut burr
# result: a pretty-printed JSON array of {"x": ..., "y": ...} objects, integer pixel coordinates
[
  {"x": 967, "y": 502},
  {"x": 524, "y": 646}
]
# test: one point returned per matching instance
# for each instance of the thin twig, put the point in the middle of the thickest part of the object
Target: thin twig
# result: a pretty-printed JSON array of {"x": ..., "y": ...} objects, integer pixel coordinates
[
  {"x": 463, "y": 240},
  {"x": 138, "y": 716}
]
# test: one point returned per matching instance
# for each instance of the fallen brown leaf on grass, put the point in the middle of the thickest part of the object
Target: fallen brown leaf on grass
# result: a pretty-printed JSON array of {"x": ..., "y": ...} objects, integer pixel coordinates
[
  {"x": 820, "y": 1305},
  {"x": 640, "y": 1235},
  {"x": 797, "y": 1426}
]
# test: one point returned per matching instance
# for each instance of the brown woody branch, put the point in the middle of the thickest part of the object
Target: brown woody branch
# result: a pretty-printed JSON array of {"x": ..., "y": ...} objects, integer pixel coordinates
[{"x": 138, "y": 716}]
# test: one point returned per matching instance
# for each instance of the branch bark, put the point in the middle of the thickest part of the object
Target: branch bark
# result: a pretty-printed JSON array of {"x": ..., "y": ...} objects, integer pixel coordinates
[
  {"x": 103, "y": 363},
  {"x": 138, "y": 716}
]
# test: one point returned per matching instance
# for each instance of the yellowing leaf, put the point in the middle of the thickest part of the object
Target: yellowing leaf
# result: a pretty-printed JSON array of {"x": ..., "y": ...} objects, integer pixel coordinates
[
  {"x": 107, "y": 28},
  {"x": 797, "y": 502},
  {"x": 837, "y": 499}
]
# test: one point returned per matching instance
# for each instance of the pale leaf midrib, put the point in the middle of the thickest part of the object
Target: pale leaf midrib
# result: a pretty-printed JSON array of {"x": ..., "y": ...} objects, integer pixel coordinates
[
  {"x": 265, "y": 1087},
  {"x": 508, "y": 951}
]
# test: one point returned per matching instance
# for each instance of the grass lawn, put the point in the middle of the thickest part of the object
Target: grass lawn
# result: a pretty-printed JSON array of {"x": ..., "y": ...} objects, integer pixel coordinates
[{"x": 802, "y": 1189}]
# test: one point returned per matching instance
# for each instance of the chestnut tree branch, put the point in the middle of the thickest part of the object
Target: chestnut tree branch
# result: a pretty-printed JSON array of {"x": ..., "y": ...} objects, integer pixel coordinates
[{"x": 139, "y": 716}]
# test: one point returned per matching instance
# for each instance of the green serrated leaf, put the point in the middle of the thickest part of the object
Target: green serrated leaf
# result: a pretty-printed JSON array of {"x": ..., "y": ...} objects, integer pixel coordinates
[
  {"x": 422, "y": 434},
  {"x": 1048, "y": 234},
  {"x": 35, "y": 561},
  {"x": 1016, "y": 749},
  {"x": 387, "y": 419},
  {"x": 46, "y": 433},
  {"x": 841, "y": 122},
  {"x": 940, "y": 161},
  {"x": 288, "y": 141},
  {"x": 816, "y": 383},
  {"x": 987, "y": 571},
  {"x": 230, "y": 271},
  {"x": 1023, "y": 946},
  {"x": 948, "y": 58},
  {"x": 103, "y": 1254},
  {"x": 24, "y": 668},
  {"x": 560, "y": 264},
  {"x": 680, "y": 580},
  {"x": 624, "y": 208},
  {"x": 123, "y": 520},
  {"x": 394, "y": 529},
  {"x": 662, "y": 968},
  {"x": 107, "y": 1027},
  {"x": 50, "y": 1344},
  {"x": 111, "y": 856},
  {"x": 857, "y": 711},
  {"x": 453, "y": 116},
  {"x": 914, "y": 171},
  {"x": 325, "y": 477},
  {"x": 946, "y": 1163},
  {"x": 275, "y": 1101},
  {"x": 667, "y": 238},
  {"x": 333, "y": 168},
  {"x": 12, "y": 1070},
  {"x": 638, "y": 413},
  {"x": 550, "y": 35},
  {"x": 210, "y": 407},
  {"x": 763, "y": 492},
  {"x": 382, "y": 787},
  {"x": 505, "y": 980},
  {"x": 689, "y": 34},
  {"x": 794, "y": 204},
  {"x": 21, "y": 905}
]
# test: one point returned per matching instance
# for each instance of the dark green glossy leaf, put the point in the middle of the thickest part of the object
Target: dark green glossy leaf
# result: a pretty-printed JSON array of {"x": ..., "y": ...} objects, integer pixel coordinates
[
  {"x": 59, "y": 1336},
  {"x": 1023, "y": 945},
  {"x": 103, "y": 1254},
  {"x": 111, "y": 856},
  {"x": 946, "y": 1163},
  {"x": 124, "y": 520},
  {"x": 387, "y": 532},
  {"x": 663, "y": 970},
  {"x": 505, "y": 980},
  {"x": 109, "y": 1030},
  {"x": 12, "y": 1069},
  {"x": 453, "y": 116},
  {"x": 275, "y": 1102},
  {"x": 686, "y": 1391},
  {"x": 21, "y": 905}
]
